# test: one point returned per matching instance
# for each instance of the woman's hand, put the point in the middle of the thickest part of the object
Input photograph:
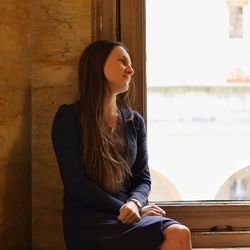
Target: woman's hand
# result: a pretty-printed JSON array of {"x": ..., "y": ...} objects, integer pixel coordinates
[
  {"x": 129, "y": 213},
  {"x": 152, "y": 210}
]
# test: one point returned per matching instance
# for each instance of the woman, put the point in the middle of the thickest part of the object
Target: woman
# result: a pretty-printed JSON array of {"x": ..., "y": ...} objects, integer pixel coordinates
[{"x": 100, "y": 145}]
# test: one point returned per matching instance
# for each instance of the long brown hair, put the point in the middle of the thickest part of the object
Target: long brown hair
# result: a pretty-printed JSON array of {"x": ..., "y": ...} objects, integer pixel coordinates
[{"x": 103, "y": 164}]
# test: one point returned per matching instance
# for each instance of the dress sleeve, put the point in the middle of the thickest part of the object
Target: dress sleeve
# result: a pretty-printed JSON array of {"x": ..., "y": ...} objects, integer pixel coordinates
[
  {"x": 141, "y": 181},
  {"x": 66, "y": 138}
]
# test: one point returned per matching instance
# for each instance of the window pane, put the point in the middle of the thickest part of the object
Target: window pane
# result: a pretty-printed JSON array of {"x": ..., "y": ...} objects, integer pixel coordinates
[{"x": 198, "y": 97}]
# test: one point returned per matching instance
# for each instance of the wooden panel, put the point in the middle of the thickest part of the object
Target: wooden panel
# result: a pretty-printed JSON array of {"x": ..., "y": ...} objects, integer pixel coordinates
[
  {"x": 205, "y": 215},
  {"x": 224, "y": 239},
  {"x": 104, "y": 20},
  {"x": 132, "y": 14}
]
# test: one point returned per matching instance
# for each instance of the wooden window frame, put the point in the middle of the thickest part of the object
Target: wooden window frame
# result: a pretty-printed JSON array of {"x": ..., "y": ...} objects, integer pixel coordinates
[{"x": 213, "y": 223}]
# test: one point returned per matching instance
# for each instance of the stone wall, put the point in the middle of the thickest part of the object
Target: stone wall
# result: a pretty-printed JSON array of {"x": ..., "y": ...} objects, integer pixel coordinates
[
  {"x": 15, "y": 126},
  {"x": 41, "y": 42}
]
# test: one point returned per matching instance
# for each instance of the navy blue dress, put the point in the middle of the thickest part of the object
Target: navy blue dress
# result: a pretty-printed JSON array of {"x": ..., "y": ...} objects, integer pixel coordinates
[{"x": 90, "y": 213}]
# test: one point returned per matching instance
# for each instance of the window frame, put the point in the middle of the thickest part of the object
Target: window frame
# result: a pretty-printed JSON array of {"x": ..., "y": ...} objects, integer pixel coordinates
[{"x": 212, "y": 223}]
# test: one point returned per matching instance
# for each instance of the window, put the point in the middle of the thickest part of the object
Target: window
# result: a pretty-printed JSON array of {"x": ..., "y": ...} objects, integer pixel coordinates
[
  {"x": 198, "y": 121},
  {"x": 213, "y": 223}
]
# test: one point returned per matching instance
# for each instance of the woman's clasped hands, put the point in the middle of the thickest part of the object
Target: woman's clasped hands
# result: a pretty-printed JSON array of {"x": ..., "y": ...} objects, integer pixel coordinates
[{"x": 130, "y": 213}]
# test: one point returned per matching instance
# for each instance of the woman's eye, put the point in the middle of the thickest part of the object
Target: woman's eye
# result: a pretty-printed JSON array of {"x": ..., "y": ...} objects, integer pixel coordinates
[{"x": 123, "y": 61}]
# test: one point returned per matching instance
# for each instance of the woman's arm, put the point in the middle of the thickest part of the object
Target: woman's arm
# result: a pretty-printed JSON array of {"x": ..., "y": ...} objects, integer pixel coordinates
[
  {"x": 141, "y": 181},
  {"x": 66, "y": 138}
]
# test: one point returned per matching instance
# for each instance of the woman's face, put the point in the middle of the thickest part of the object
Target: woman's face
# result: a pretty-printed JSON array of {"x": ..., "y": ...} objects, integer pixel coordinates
[{"x": 118, "y": 70}]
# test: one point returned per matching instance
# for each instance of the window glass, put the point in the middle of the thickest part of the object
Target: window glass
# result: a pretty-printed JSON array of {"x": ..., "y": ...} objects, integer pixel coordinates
[{"x": 198, "y": 99}]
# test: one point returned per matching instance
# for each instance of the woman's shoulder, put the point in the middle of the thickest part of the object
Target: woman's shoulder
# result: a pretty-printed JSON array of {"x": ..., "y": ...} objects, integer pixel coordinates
[
  {"x": 133, "y": 116},
  {"x": 65, "y": 109},
  {"x": 137, "y": 115},
  {"x": 68, "y": 112}
]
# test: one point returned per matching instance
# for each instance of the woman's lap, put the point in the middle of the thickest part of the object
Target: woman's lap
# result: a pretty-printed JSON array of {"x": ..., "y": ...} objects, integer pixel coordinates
[
  {"x": 75, "y": 240},
  {"x": 113, "y": 235}
]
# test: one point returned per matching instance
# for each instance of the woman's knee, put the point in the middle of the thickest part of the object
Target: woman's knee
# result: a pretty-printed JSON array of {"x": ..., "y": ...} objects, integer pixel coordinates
[{"x": 177, "y": 232}]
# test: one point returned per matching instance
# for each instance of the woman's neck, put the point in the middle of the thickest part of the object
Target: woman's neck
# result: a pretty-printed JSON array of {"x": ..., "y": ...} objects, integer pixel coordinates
[
  {"x": 110, "y": 106},
  {"x": 111, "y": 112}
]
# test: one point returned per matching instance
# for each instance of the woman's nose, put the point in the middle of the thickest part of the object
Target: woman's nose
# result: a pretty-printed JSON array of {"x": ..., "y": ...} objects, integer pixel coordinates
[{"x": 130, "y": 70}]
